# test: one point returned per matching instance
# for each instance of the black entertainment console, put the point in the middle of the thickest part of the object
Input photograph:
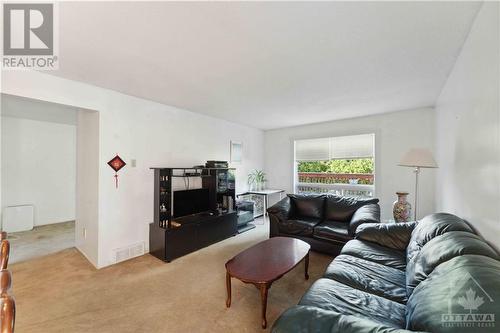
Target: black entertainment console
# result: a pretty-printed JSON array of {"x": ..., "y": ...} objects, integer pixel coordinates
[{"x": 172, "y": 235}]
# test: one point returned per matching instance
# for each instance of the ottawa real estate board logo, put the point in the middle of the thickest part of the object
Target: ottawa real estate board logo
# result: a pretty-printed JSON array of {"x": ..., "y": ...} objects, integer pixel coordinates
[
  {"x": 29, "y": 36},
  {"x": 469, "y": 306}
]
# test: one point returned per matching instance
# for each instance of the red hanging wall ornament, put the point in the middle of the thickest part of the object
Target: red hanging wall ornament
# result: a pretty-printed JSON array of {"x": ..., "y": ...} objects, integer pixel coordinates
[{"x": 116, "y": 164}]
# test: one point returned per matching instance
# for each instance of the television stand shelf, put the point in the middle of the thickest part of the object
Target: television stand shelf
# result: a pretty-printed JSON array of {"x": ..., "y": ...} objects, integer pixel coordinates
[
  {"x": 193, "y": 233},
  {"x": 205, "y": 217}
]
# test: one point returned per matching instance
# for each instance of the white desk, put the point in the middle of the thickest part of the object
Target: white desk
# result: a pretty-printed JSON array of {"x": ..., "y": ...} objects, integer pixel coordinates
[{"x": 266, "y": 194}]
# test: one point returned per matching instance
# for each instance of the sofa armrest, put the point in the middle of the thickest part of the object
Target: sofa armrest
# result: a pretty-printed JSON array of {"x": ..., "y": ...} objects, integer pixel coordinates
[
  {"x": 278, "y": 213},
  {"x": 365, "y": 214},
  {"x": 281, "y": 209},
  {"x": 393, "y": 235},
  {"x": 307, "y": 319}
]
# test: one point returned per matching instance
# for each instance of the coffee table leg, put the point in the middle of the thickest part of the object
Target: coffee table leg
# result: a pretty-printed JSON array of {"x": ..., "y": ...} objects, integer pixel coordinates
[
  {"x": 306, "y": 260},
  {"x": 263, "y": 297},
  {"x": 228, "y": 286}
]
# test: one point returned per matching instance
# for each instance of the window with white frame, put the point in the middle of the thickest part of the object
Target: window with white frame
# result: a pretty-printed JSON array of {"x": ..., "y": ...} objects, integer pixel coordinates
[{"x": 343, "y": 165}]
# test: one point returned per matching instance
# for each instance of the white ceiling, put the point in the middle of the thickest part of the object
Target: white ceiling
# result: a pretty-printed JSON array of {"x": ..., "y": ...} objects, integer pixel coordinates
[{"x": 267, "y": 64}]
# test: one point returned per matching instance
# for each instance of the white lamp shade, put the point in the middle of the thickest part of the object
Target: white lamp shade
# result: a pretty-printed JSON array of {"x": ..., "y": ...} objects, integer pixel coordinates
[{"x": 418, "y": 157}]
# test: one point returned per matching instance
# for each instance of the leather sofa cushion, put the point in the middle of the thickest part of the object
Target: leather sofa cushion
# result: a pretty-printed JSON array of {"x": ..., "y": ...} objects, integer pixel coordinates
[
  {"x": 335, "y": 296},
  {"x": 375, "y": 253},
  {"x": 367, "y": 214},
  {"x": 443, "y": 248},
  {"x": 332, "y": 230},
  {"x": 447, "y": 287},
  {"x": 431, "y": 226},
  {"x": 307, "y": 205},
  {"x": 301, "y": 318},
  {"x": 392, "y": 235},
  {"x": 369, "y": 276},
  {"x": 300, "y": 226},
  {"x": 340, "y": 208},
  {"x": 426, "y": 229}
]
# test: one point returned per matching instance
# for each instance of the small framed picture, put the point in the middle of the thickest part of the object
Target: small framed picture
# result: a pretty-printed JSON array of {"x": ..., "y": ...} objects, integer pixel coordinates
[{"x": 236, "y": 151}]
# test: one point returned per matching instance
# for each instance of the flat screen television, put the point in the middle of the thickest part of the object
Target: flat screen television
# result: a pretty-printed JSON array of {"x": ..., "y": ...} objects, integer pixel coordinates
[{"x": 189, "y": 202}]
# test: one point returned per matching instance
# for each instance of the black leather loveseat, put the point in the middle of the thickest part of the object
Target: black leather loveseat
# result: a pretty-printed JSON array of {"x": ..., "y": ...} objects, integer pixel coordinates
[
  {"x": 324, "y": 221},
  {"x": 436, "y": 275}
]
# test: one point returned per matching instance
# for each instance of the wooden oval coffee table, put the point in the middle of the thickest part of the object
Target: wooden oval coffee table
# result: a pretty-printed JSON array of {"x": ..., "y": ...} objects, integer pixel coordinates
[{"x": 266, "y": 262}]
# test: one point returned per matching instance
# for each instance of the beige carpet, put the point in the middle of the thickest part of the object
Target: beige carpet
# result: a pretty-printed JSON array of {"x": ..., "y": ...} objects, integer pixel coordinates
[
  {"x": 40, "y": 241},
  {"x": 62, "y": 292}
]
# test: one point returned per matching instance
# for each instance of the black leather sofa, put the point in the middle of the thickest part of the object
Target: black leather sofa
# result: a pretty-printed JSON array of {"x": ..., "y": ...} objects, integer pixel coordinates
[
  {"x": 436, "y": 275},
  {"x": 324, "y": 221}
]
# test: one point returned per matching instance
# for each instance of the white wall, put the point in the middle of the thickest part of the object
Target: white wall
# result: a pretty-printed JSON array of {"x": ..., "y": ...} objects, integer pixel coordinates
[
  {"x": 394, "y": 134},
  {"x": 467, "y": 130},
  {"x": 87, "y": 184},
  {"x": 153, "y": 134},
  {"x": 39, "y": 168}
]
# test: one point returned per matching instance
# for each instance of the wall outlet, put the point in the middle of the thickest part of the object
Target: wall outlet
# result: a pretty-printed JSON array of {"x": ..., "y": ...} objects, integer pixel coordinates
[
  {"x": 84, "y": 233},
  {"x": 133, "y": 163}
]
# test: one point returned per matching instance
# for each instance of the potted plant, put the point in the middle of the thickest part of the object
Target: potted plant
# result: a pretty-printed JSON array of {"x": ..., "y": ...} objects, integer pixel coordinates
[{"x": 256, "y": 180}]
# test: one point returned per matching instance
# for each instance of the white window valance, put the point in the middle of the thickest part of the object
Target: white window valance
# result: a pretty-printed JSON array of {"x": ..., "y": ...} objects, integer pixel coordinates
[{"x": 340, "y": 147}]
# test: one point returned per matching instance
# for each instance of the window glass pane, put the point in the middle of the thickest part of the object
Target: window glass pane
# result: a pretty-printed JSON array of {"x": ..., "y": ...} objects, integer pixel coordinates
[{"x": 337, "y": 165}]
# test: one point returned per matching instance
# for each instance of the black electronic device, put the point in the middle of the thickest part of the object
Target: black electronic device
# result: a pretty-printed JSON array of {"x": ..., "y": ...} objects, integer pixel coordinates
[
  {"x": 188, "y": 202},
  {"x": 217, "y": 164}
]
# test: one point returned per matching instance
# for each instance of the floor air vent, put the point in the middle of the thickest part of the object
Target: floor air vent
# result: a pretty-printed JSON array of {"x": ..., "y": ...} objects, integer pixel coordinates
[{"x": 129, "y": 252}]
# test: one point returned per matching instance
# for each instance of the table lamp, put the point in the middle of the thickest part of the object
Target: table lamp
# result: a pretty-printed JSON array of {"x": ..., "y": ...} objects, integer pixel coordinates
[{"x": 418, "y": 158}]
